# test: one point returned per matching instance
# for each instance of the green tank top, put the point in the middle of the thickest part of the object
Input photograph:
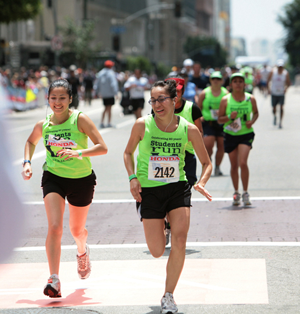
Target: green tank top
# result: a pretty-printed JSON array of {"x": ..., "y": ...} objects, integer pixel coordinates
[
  {"x": 65, "y": 135},
  {"x": 211, "y": 104},
  {"x": 249, "y": 83},
  {"x": 244, "y": 110},
  {"x": 160, "y": 160},
  {"x": 186, "y": 113}
]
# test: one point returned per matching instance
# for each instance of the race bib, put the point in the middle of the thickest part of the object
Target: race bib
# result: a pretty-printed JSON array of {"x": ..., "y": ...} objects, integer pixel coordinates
[
  {"x": 164, "y": 168},
  {"x": 234, "y": 126},
  {"x": 214, "y": 114}
]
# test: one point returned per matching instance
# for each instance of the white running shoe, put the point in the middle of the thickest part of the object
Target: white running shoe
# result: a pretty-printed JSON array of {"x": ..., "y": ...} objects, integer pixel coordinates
[
  {"x": 168, "y": 235},
  {"x": 246, "y": 199},
  {"x": 52, "y": 288},
  {"x": 236, "y": 199},
  {"x": 168, "y": 305},
  {"x": 83, "y": 264},
  {"x": 218, "y": 171}
]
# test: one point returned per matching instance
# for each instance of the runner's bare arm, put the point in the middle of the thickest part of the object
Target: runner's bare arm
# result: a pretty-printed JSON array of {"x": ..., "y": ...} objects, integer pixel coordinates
[
  {"x": 137, "y": 134},
  {"x": 195, "y": 137},
  {"x": 30, "y": 145},
  {"x": 255, "y": 113},
  {"x": 87, "y": 126},
  {"x": 223, "y": 118}
]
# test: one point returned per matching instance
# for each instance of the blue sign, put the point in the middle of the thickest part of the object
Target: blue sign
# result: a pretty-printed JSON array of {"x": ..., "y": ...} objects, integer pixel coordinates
[{"x": 117, "y": 29}]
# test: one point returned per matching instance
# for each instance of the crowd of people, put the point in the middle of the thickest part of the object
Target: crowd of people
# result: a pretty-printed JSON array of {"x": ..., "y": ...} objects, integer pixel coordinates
[{"x": 192, "y": 110}]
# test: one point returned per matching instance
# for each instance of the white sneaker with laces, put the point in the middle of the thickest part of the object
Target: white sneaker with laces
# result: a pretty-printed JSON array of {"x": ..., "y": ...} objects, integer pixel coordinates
[
  {"x": 236, "y": 199},
  {"x": 83, "y": 264},
  {"x": 52, "y": 288},
  {"x": 168, "y": 305},
  {"x": 246, "y": 199}
]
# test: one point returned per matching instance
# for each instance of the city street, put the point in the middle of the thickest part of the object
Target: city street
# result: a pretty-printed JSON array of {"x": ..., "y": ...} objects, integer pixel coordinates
[{"x": 238, "y": 260}]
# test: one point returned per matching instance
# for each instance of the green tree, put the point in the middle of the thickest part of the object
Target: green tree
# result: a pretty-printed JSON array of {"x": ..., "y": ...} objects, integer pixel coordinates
[
  {"x": 139, "y": 62},
  {"x": 78, "y": 42},
  {"x": 290, "y": 20},
  {"x": 16, "y": 10},
  {"x": 206, "y": 50}
]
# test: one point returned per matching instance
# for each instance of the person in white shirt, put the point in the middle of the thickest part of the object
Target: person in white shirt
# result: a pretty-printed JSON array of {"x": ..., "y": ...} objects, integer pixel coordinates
[
  {"x": 136, "y": 85},
  {"x": 278, "y": 83}
]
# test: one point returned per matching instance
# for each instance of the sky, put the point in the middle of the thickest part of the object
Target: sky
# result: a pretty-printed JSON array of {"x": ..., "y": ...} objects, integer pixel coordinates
[{"x": 257, "y": 19}]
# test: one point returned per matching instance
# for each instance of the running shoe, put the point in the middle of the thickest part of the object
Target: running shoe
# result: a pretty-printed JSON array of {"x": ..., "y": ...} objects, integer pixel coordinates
[
  {"x": 102, "y": 126},
  {"x": 246, "y": 199},
  {"x": 83, "y": 264},
  {"x": 167, "y": 232},
  {"x": 218, "y": 172},
  {"x": 168, "y": 305},
  {"x": 236, "y": 199},
  {"x": 52, "y": 288}
]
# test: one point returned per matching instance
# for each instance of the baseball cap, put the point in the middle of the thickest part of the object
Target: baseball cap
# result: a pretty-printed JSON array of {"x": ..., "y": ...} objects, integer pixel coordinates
[
  {"x": 280, "y": 63},
  {"x": 109, "y": 63},
  {"x": 238, "y": 74},
  {"x": 188, "y": 62},
  {"x": 216, "y": 74},
  {"x": 179, "y": 82}
]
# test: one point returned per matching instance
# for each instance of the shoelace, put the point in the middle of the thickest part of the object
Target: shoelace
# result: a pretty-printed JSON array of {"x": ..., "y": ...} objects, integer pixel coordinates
[{"x": 82, "y": 261}]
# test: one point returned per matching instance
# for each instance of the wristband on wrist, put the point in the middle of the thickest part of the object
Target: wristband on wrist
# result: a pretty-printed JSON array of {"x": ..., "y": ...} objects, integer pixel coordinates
[
  {"x": 79, "y": 154},
  {"x": 26, "y": 161},
  {"x": 229, "y": 116},
  {"x": 133, "y": 176}
]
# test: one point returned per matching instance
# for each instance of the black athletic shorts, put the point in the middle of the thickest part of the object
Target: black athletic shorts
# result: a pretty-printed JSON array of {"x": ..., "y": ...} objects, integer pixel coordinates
[
  {"x": 79, "y": 192},
  {"x": 190, "y": 168},
  {"x": 158, "y": 201},
  {"x": 277, "y": 100},
  {"x": 212, "y": 128},
  {"x": 109, "y": 101},
  {"x": 137, "y": 103},
  {"x": 231, "y": 142}
]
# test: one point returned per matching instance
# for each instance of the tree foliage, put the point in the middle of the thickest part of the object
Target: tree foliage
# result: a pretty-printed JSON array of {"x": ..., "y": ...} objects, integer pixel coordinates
[
  {"x": 206, "y": 50},
  {"x": 17, "y": 10},
  {"x": 139, "y": 62},
  {"x": 290, "y": 20},
  {"x": 78, "y": 40}
]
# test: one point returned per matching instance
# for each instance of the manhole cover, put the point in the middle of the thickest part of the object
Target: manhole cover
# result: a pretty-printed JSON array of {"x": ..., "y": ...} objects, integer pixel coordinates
[{"x": 52, "y": 310}]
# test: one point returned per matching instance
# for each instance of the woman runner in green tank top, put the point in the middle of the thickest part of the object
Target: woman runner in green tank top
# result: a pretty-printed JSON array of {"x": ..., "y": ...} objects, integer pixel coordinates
[
  {"x": 67, "y": 174},
  {"x": 209, "y": 103},
  {"x": 238, "y": 112},
  {"x": 160, "y": 186}
]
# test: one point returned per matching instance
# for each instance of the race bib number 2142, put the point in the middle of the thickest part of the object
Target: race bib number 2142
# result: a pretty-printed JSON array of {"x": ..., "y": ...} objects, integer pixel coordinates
[{"x": 164, "y": 168}]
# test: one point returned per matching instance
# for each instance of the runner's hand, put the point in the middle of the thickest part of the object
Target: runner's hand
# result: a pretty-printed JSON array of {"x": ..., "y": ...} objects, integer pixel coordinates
[
  {"x": 233, "y": 114},
  {"x": 68, "y": 153},
  {"x": 249, "y": 124},
  {"x": 136, "y": 189},
  {"x": 198, "y": 187},
  {"x": 27, "y": 172}
]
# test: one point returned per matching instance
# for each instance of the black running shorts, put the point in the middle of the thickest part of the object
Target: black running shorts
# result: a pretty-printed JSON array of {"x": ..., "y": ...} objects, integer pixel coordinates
[
  {"x": 231, "y": 142},
  {"x": 158, "y": 201},
  {"x": 137, "y": 103},
  {"x": 212, "y": 128},
  {"x": 109, "y": 101},
  {"x": 79, "y": 192},
  {"x": 277, "y": 100}
]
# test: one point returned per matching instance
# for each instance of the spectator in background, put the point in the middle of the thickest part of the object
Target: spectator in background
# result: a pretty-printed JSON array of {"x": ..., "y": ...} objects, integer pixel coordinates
[
  {"x": 187, "y": 67},
  {"x": 189, "y": 88},
  {"x": 106, "y": 87},
  {"x": 88, "y": 83},
  {"x": 74, "y": 81},
  {"x": 136, "y": 85},
  {"x": 199, "y": 79}
]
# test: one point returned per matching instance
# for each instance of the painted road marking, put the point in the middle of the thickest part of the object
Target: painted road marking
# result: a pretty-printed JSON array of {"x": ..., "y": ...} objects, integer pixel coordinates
[
  {"x": 217, "y": 199},
  {"x": 137, "y": 282}
]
